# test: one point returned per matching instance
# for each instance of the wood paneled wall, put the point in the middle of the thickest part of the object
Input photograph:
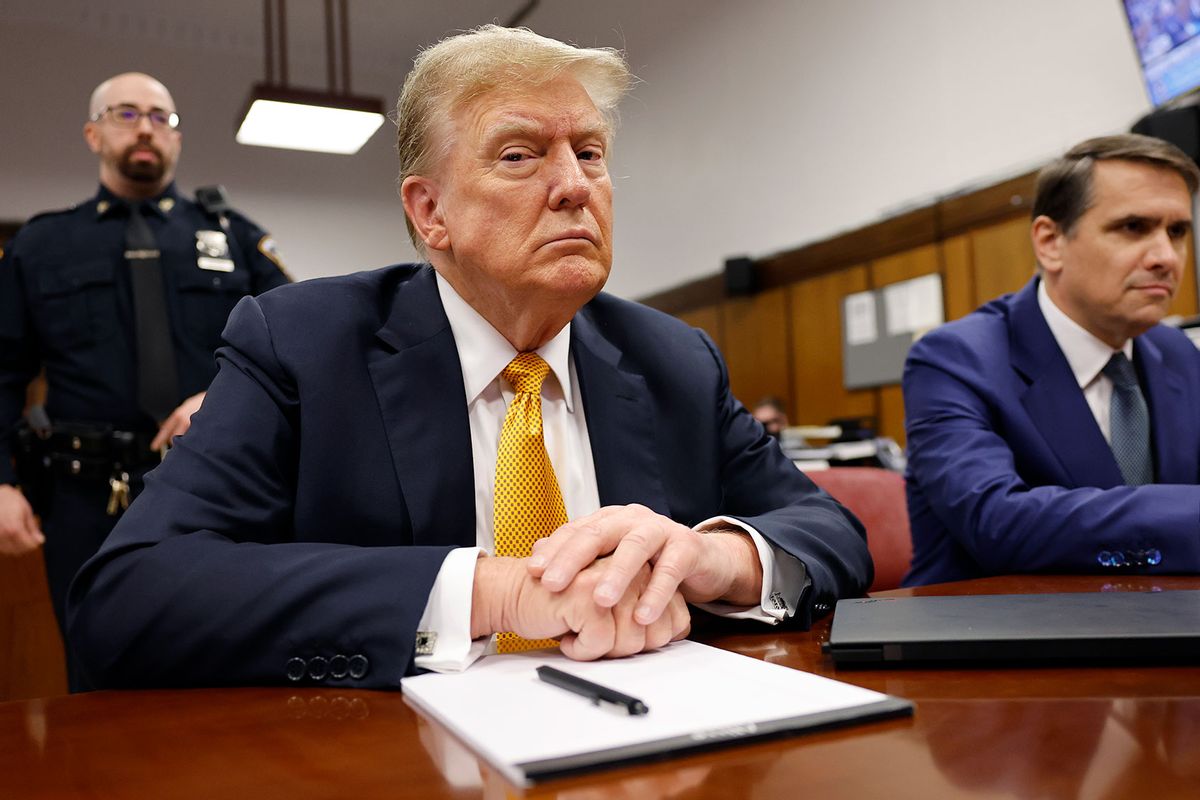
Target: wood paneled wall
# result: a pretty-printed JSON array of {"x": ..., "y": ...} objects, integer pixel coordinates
[
  {"x": 31, "y": 652},
  {"x": 816, "y": 350},
  {"x": 786, "y": 340},
  {"x": 758, "y": 364}
]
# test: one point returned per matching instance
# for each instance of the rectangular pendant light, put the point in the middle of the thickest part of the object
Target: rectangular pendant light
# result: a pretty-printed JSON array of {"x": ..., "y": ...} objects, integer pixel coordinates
[{"x": 299, "y": 119}]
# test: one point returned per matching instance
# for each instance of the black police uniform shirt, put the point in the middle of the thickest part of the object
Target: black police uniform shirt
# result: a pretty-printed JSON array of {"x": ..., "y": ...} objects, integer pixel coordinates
[{"x": 66, "y": 304}]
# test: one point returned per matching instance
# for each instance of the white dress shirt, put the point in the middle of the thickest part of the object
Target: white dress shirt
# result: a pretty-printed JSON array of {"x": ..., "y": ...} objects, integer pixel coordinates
[
  {"x": 483, "y": 354},
  {"x": 1087, "y": 356}
]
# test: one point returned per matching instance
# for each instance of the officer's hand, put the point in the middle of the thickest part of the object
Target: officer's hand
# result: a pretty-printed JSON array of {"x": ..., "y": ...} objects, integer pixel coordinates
[
  {"x": 179, "y": 421},
  {"x": 507, "y": 598},
  {"x": 714, "y": 565},
  {"x": 19, "y": 531}
]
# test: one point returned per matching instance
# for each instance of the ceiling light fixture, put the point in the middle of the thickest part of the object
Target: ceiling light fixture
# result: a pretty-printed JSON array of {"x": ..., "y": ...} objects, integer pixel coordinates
[{"x": 277, "y": 115}]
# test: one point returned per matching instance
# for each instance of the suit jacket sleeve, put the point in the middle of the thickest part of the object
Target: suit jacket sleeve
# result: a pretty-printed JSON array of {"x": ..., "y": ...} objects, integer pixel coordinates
[
  {"x": 204, "y": 581},
  {"x": 762, "y": 488},
  {"x": 988, "y": 494},
  {"x": 667, "y": 433}
]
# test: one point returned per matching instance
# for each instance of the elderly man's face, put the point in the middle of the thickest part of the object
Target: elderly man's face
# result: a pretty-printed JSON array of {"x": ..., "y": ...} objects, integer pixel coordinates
[
  {"x": 1117, "y": 271},
  {"x": 524, "y": 201}
]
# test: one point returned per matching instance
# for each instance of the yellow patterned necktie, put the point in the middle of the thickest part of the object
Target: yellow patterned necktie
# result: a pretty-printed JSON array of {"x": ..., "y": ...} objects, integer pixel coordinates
[{"x": 527, "y": 502}]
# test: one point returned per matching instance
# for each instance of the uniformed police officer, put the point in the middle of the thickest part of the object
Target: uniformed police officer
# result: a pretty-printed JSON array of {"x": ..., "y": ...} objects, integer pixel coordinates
[{"x": 121, "y": 300}]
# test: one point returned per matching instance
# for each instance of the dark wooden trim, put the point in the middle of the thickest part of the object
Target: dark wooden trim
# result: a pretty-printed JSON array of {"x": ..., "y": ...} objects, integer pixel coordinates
[
  {"x": 996, "y": 203},
  {"x": 908, "y": 230},
  {"x": 947, "y": 217},
  {"x": 694, "y": 294}
]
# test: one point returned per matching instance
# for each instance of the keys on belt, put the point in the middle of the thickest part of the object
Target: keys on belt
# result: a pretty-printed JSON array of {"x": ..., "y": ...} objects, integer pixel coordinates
[
  {"x": 95, "y": 453},
  {"x": 118, "y": 498}
]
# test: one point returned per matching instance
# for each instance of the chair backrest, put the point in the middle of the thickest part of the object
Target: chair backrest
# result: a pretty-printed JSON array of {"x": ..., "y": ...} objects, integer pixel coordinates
[{"x": 876, "y": 497}]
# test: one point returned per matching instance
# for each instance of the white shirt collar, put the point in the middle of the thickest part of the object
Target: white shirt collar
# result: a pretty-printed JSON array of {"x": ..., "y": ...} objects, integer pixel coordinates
[
  {"x": 1086, "y": 354},
  {"x": 484, "y": 353}
]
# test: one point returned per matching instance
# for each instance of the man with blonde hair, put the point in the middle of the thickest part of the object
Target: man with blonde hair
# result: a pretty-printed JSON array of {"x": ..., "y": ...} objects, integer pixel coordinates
[{"x": 397, "y": 470}]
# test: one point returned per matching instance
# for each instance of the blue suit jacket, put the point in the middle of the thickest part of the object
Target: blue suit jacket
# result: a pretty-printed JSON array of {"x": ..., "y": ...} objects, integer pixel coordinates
[
  {"x": 1008, "y": 471},
  {"x": 308, "y": 510}
]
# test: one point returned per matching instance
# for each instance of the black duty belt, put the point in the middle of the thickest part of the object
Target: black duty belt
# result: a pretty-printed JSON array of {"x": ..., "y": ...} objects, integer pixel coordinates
[{"x": 88, "y": 451}]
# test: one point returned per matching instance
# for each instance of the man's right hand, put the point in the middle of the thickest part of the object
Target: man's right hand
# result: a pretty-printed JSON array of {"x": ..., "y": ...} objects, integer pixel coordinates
[
  {"x": 507, "y": 598},
  {"x": 19, "y": 530}
]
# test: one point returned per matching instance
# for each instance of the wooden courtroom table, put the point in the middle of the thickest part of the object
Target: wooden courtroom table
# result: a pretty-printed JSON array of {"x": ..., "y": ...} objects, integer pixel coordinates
[{"x": 1092, "y": 732}]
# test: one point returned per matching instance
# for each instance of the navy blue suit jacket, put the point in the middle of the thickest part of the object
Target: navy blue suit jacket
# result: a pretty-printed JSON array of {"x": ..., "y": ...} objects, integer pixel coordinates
[
  {"x": 1008, "y": 471},
  {"x": 308, "y": 510}
]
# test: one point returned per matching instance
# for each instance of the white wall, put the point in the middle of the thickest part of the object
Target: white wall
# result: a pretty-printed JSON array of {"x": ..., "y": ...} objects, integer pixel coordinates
[{"x": 759, "y": 126}]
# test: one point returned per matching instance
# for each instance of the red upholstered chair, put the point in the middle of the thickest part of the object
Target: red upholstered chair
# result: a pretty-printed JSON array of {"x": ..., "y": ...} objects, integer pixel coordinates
[{"x": 876, "y": 496}]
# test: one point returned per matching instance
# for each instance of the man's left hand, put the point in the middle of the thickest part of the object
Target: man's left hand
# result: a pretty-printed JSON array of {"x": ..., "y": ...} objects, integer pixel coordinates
[
  {"x": 714, "y": 565},
  {"x": 178, "y": 423}
]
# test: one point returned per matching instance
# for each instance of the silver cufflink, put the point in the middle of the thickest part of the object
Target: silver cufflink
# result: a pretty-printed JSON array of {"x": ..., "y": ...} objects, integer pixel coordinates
[{"x": 426, "y": 641}]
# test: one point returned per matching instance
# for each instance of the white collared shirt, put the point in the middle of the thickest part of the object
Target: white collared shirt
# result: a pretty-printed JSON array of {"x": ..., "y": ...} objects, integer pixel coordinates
[
  {"x": 1086, "y": 355},
  {"x": 483, "y": 354}
]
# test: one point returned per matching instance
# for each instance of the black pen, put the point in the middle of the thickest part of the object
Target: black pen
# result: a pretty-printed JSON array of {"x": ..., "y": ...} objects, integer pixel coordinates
[{"x": 593, "y": 691}]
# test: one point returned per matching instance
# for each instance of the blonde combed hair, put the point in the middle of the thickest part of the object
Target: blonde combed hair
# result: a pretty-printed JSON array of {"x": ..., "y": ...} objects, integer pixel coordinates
[{"x": 460, "y": 68}]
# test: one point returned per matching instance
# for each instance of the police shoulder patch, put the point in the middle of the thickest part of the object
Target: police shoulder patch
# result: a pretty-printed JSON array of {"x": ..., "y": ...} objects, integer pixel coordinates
[{"x": 270, "y": 248}]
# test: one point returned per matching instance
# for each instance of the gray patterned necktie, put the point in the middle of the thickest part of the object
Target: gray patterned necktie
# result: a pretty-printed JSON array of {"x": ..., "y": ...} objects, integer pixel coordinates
[{"x": 1130, "y": 422}]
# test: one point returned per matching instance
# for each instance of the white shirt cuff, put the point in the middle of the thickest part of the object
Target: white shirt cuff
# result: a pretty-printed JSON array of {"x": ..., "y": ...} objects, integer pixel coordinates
[
  {"x": 784, "y": 578},
  {"x": 444, "y": 632}
]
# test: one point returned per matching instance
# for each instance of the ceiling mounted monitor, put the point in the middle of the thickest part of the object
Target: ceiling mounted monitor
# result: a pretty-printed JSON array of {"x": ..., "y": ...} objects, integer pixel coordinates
[{"x": 1166, "y": 34}]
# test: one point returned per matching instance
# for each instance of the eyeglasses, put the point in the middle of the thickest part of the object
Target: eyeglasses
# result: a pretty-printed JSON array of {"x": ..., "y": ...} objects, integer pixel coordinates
[{"x": 130, "y": 116}]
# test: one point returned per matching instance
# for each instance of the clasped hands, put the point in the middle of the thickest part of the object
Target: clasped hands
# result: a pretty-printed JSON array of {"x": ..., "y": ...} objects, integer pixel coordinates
[{"x": 614, "y": 583}]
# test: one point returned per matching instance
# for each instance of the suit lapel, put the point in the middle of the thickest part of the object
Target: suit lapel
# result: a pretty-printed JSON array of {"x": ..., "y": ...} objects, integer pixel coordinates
[
  {"x": 620, "y": 421},
  {"x": 418, "y": 381},
  {"x": 1164, "y": 391},
  {"x": 1053, "y": 399}
]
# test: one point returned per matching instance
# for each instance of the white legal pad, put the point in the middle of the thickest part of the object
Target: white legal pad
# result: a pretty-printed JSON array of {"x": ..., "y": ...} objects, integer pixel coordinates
[{"x": 699, "y": 696}]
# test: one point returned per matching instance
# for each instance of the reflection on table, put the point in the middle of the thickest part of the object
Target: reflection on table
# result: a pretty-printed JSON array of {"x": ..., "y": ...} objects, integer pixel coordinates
[{"x": 1070, "y": 732}]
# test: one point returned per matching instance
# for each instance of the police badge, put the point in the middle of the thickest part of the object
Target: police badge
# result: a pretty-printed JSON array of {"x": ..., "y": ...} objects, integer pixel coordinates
[{"x": 213, "y": 251}]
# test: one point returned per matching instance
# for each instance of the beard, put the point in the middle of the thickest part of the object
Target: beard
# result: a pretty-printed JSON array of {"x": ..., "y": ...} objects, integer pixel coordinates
[{"x": 141, "y": 171}]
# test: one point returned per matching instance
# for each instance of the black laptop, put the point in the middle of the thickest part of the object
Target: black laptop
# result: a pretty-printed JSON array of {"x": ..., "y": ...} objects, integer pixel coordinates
[{"x": 1131, "y": 627}]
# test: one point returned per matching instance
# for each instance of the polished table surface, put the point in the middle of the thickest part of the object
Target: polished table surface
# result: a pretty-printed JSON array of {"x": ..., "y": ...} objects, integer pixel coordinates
[{"x": 1091, "y": 732}]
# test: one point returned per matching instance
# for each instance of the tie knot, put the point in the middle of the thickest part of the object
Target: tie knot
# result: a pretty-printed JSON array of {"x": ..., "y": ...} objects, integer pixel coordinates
[
  {"x": 1120, "y": 371},
  {"x": 121, "y": 208},
  {"x": 526, "y": 373}
]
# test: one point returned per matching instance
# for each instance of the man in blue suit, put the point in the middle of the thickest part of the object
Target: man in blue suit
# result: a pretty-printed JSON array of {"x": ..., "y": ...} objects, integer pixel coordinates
[
  {"x": 1035, "y": 445},
  {"x": 329, "y": 517}
]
